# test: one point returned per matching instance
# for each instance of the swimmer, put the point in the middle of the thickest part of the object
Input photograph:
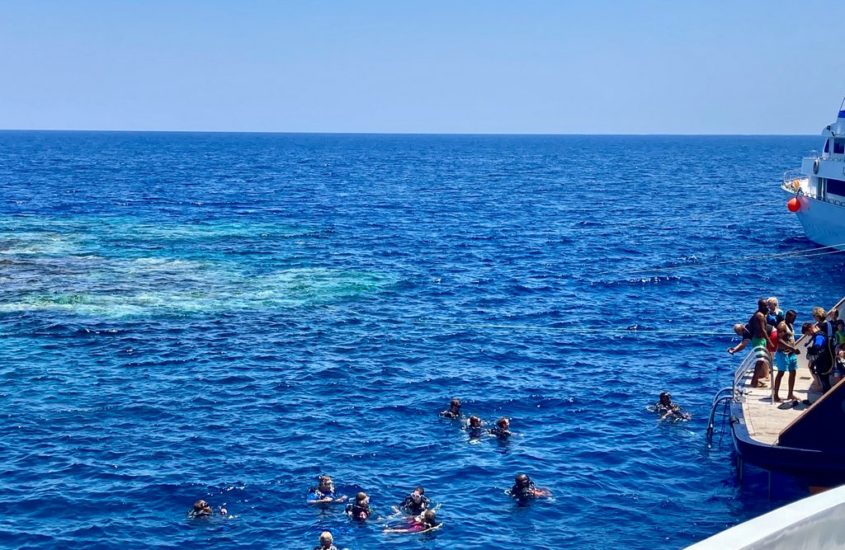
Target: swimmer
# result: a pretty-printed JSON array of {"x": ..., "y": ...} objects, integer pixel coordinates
[
  {"x": 360, "y": 509},
  {"x": 415, "y": 503},
  {"x": 669, "y": 410},
  {"x": 502, "y": 429},
  {"x": 420, "y": 524},
  {"x": 324, "y": 492},
  {"x": 523, "y": 488},
  {"x": 454, "y": 410},
  {"x": 326, "y": 542}
]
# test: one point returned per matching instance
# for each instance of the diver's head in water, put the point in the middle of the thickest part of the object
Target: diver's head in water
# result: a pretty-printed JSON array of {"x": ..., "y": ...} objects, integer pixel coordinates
[
  {"x": 429, "y": 519},
  {"x": 326, "y": 539},
  {"x": 455, "y": 406},
  {"x": 325, "y": 484},
  {"x": 361, "y": 499},
  {"x": 522, "y": 480},
  {"x": 417, "y": 494},
  {"x": 503, "y": 424},
  {"x": 474, "y": 422},
  {"x": 201, "y": 509},
  {"x": 665, "y": 398}
]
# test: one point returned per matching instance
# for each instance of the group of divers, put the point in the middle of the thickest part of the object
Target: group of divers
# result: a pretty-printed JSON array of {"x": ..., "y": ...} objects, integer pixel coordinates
[{"x": 416, "y": 513}]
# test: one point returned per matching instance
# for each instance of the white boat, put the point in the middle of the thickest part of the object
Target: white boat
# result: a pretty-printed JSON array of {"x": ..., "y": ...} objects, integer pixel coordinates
[
  {"x": 818, "y": 188},
  {"x": 813, "y": 523}
]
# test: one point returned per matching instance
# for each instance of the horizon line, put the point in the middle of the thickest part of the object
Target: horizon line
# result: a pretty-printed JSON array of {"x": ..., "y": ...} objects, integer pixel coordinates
[{"x": 329, "y": 133}]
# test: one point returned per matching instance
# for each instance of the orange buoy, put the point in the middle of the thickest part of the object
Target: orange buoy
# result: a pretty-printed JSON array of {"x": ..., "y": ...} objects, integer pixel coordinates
[{"x": 793, "y": 204}]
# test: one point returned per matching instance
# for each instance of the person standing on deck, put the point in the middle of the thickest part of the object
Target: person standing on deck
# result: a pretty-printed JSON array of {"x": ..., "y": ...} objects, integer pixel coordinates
[
  {"x": 756, "y": 333},
  {"x": 786, "y": 358},
  {"x": 818, "y": 354},
  {"x": 775, "y": 315}
]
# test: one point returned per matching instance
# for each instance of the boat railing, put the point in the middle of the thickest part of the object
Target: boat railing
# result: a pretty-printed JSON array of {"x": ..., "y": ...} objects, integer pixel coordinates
[
  {"x": 792, "y": 180},
  {"x": 745, "y": 367}
]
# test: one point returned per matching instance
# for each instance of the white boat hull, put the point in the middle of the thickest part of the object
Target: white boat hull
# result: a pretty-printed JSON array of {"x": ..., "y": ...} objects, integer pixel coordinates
[
  {"x": 823, "y": 221},
  {"x": 814, "y": 523}
]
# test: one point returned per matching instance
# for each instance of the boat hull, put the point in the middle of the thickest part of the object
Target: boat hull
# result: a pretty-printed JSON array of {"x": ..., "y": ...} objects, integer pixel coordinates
[
  {"x": 823, "y": 221},
  {"x": 821, "y": 465}
]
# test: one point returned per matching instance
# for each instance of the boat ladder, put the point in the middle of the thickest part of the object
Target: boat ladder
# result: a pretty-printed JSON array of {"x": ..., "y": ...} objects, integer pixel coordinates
[{"x": 720, "y": 411}]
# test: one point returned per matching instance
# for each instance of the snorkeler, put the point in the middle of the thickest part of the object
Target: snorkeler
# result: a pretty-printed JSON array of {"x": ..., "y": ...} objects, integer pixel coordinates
[
  {"x": 669, "y": 410},
  {"x": 360, "y": 509},
  {"x": 502, "y": 429},
  {"x": 324, "y": 492},
  {"x": 415, "y": 503},
  {"x": 326, "y": 542},
  {"x": 202, "y": 509},
  {"x": 420, "y": 524},
  {"x": 454, "y": 410},
  {"x": 523, "y": 488}
]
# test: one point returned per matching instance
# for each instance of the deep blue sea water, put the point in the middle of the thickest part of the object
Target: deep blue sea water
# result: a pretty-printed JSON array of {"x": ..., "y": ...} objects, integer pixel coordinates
[{"x": 225, "y": 316}]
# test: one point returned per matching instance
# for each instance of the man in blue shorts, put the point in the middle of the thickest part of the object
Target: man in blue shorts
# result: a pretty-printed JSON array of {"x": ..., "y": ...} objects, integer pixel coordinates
[{"x": 786, "y": 357}]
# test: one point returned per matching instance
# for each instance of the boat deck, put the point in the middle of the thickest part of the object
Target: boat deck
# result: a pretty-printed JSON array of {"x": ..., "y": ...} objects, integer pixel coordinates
[{"x": 766, "y": 420}]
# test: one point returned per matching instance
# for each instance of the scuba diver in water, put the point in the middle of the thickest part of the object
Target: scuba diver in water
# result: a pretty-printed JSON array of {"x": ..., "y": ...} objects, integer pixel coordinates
[
  {"x": 360, "y": 509},
  {"x": 202, "y": 509},
  {"x": 524, "y": 489},
  {"x": 474, "y": 427},
  {"x": 425, "y": 522},
  {"x": 415, "y": 503},
  {"x": 502, "y": 430},
  {"x": 454, "y": 410},
  {"x": 324, "y": 492},
  {"x": 669, "y": 410}
]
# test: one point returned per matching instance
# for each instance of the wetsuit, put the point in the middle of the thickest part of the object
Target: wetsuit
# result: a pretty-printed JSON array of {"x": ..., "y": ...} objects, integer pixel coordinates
[
  {"x": 821, "y": 359},
  {"x": 358, "y": 512},
  {"x": 450, "y": 414},
  {"x": 316, "y": 494},
  {"x": 522, "y": 492},
  {"x": 774, "y": 319},
  {"x": 499, "y": 432},
  {"x": 414, "y": 508},
  {"x": 673, "y": 410},
  {"x": 332, "y": 547}
]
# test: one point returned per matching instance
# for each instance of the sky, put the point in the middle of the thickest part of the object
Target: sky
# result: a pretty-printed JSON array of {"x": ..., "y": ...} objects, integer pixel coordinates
[{"x": 408, "y": 66}]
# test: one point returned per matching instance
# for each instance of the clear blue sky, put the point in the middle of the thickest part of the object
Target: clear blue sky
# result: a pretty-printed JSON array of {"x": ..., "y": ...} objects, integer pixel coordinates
[{"x": 638, "y": 66}]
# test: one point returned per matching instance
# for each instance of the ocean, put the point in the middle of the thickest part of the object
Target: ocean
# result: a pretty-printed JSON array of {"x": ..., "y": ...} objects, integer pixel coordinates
[{"x": 227, "y": 316}]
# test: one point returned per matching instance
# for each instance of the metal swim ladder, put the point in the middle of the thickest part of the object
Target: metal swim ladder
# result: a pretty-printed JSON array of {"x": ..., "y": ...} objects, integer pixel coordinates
[{"x": 721, "y": 408}]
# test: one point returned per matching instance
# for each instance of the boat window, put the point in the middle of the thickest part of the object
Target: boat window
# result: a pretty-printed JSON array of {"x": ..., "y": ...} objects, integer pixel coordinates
[
  {"x": 837, "y": 187},
  {"x": 838, "y": 146},
  {"x": 827, "y": 146}
]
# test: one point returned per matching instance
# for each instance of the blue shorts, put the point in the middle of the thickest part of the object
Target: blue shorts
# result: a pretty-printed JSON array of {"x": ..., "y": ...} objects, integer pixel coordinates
[{"x": 786, "y": 363}]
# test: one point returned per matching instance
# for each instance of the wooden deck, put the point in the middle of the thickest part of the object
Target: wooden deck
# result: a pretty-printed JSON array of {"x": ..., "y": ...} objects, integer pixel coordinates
[{"x": 766, "y": 420}]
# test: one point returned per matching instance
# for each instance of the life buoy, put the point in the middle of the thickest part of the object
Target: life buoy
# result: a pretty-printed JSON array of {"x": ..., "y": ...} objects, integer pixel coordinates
[{"x": 816, "y": 166}]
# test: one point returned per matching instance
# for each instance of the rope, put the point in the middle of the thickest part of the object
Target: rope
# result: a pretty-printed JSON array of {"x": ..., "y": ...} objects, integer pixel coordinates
[
  {"x": 571, "y": 329},
  {"x": 808, "y": 253}
]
